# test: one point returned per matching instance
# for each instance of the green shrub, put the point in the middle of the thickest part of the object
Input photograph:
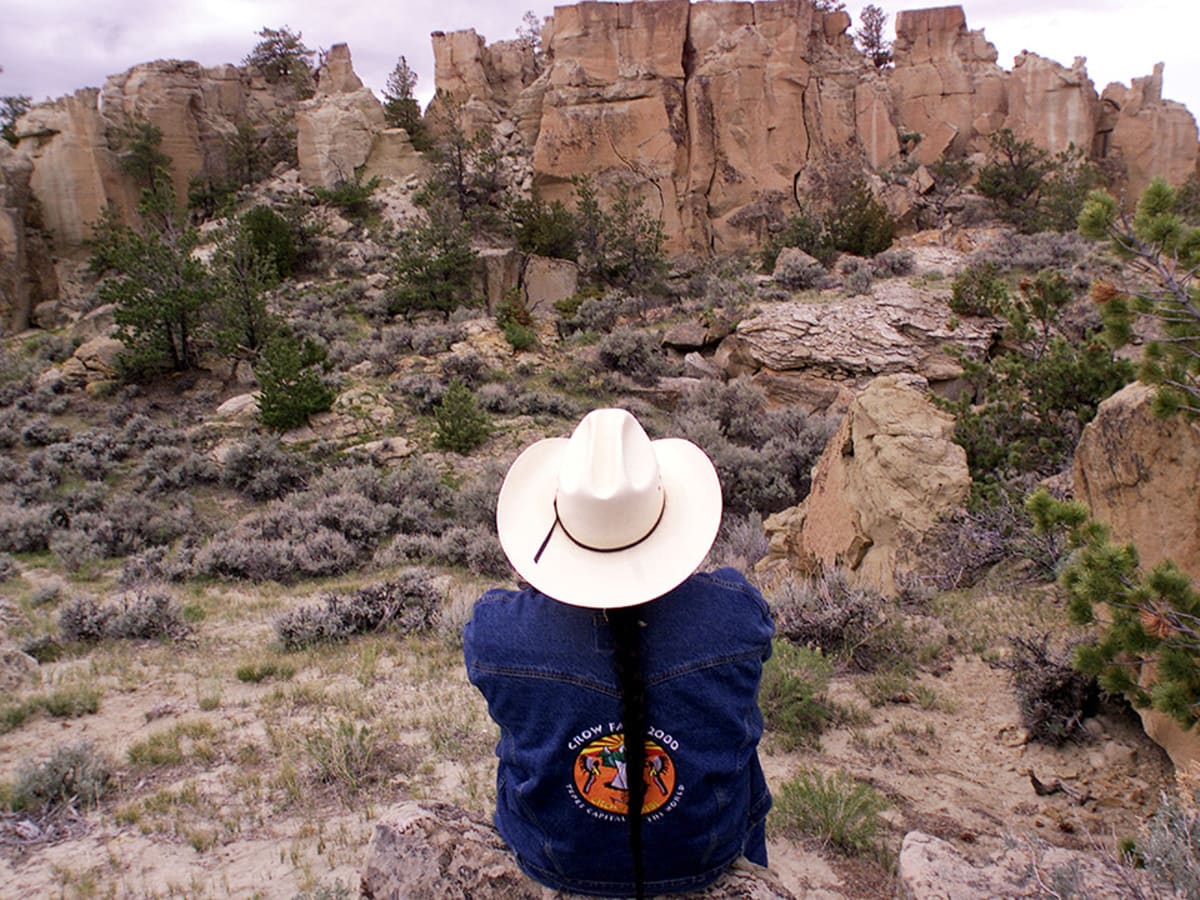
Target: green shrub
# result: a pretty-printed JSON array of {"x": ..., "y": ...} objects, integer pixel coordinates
[
  {"x": 979, "y": 290},
  {"x": 461, "y": 424},
  {"x": 516, "y": 321},
  {"x": 407, "y": 604},
  {"x": 290, "y": 385},
  {"x": 353, "y": 198},
  {"x": 273, "y": 237},
  {"x": 801, "y": 230},
  {"x": 848, "y": 623},
  {"x": 792, "y": 697},
  {"x": 858, "y": 223},
  {"x": 345, "y": 756},
  {"x": 636, "y": 353},
  {"x": 1170, "y": 845},
  {"x": 253, "y": 673},
  {"x": 544, "y": 229},
  {"x": 73, "y": 776},
  {"x": 837, "y": 810}
]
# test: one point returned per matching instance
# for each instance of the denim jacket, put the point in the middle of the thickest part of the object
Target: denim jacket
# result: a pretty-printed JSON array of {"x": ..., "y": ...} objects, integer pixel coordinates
[{"x": 546, "y": 670}]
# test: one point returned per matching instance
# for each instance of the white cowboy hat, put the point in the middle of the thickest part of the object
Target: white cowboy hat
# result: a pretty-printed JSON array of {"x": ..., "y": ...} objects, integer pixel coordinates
[{"x": 608, "y": 518}]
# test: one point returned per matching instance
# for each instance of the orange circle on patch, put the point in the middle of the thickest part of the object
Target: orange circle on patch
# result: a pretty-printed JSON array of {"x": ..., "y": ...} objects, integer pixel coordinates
[{"x": 601, "y": 779}]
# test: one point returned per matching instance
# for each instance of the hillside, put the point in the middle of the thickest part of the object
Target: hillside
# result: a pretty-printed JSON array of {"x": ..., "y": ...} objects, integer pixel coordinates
[{"x": 254, "y": 420}]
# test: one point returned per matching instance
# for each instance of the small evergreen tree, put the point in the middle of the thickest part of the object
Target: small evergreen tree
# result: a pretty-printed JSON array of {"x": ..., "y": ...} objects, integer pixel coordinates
[
  {"x": 160, "y": 290},
  {"x": 11, "y": 109},
  {"x": 634, "y": 257},
  {"x": 1014, "y": 176},
  {"x": 281, "y": 55},
  {"x": 289, "y": 379},
  {"x": 244, "y": 273},
  {"x": 1031, "y": 401},
  {"x": 1148, "y": 616},
  {"x": 461, "y": 424},
  {"x": 1159, "y": 239},
  {"x": 870, "y": 36},
  {"x": 435, "y": 261},
  {"x": 400, "y": 105},
  {"x": 544, "y": 229}
]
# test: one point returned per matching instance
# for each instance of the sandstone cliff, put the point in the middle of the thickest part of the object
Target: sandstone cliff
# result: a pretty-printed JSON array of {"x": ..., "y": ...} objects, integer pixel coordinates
[{"x": 718, "y": 113}]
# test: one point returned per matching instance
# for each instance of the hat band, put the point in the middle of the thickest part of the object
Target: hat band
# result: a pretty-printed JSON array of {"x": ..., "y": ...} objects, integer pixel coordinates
[{"x": 578, "y": 543}]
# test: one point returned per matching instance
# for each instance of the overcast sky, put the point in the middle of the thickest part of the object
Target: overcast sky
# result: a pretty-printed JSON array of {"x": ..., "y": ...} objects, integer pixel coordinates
[{"x": 52, "y": 47}]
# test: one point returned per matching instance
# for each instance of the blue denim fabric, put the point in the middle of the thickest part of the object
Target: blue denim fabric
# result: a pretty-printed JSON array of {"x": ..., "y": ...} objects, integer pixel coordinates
[{"x": 546, "y": 671}]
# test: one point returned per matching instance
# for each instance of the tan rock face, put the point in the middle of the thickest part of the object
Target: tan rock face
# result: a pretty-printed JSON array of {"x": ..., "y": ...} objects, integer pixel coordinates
[
  {"x": 26, "y": 271},
  {"x": 1152, "y": 136},
  {"x": 885, "y": 477},
  {"x": 76, "y": 173},
  {"x": 946, "y": 85},
  {"x": 1051, "y": 105},
  {"x": 74, "y": 141},
  {"x": 1139, "y": 474},
  {"x": 335, "y": 134}
]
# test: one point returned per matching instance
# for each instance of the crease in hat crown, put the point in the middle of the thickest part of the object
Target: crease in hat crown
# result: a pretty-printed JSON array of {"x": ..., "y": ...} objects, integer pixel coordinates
[{"x": 610, "y": 492}]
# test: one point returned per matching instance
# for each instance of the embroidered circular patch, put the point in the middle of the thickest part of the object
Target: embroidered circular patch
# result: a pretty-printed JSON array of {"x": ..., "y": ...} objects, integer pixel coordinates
[{"x": 601, "y": 779}]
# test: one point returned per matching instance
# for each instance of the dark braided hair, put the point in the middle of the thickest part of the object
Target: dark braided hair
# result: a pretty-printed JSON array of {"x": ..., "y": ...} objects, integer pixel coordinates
[{"x": 627, "y": 655}]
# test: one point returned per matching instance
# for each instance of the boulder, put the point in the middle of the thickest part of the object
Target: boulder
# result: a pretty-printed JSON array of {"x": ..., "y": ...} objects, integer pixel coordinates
[
  {"x": 1138, "y": 475},
  {"x": 498, "y": 271},
  {"x": 393, "y": 158},
  {"x": 17, "y": 668},
  {"x": 335, "y": 133},
  {"x": 437, "y": 851},
  {"x": 94, "y": 360},
  {"x": 933, "y": 869},
  {"x": 548, "y": 281},
  {"x": 885, "y": 477},
  {"x": 697, "y": 366}
]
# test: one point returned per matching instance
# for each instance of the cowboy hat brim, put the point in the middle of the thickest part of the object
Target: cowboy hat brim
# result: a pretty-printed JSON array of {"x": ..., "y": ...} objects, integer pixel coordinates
[{"x": 599, "y": 579}]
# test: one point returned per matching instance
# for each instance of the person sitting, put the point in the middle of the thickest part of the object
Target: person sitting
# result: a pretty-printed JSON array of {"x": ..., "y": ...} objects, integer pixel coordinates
[{"x": 623, "y": 681}]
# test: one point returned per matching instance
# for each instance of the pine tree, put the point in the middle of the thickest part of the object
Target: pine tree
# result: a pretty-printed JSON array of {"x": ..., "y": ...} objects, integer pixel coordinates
[
  {"x": 870, "y": 36},
  {"x": 400, "y": 105},
  {"x": 1165, "y": 246}
]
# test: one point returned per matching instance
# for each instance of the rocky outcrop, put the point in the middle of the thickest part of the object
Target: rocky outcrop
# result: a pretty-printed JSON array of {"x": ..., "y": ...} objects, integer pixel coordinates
[
  {"x": 1051, "y": 105},
  {"x": 721, "y": 116},
  {"x": 946, "y": 85},
  {"x": 432, "y": 851},
  {"x": 75, "y": 141},
  {"x": 1138, "y": 475},
  {"x": 337, "y": 129},
  {"x": 847, "y": 341},
  {"x": 933, "y": 869},
  {"x": 886, "y": 476},
  {"x": 1149, "y": 135},
  {"x": 26, "y": 271}
]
